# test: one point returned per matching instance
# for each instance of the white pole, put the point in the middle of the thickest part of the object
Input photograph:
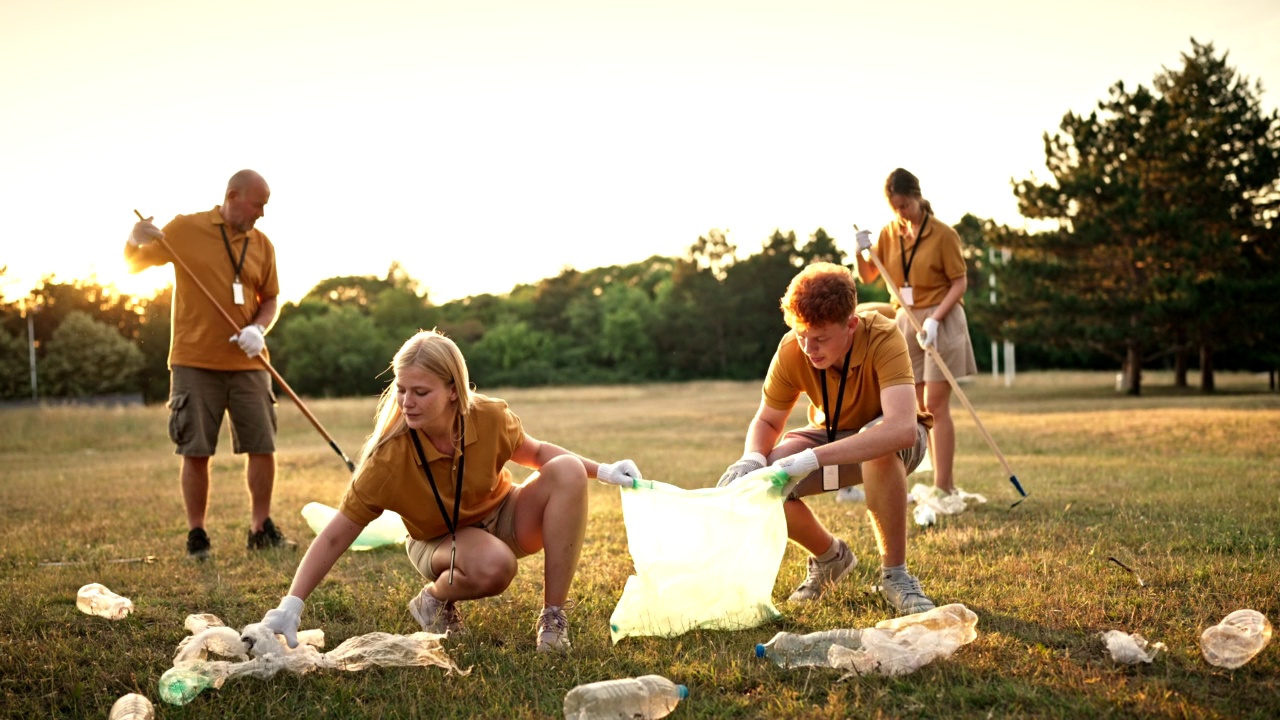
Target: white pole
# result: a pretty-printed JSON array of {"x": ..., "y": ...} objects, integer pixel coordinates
[
  {"x": 31, "y": 354},
  {"x": 991, "y": 282}
]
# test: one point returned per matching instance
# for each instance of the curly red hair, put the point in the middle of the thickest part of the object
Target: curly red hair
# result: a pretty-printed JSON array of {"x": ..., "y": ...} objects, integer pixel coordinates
[{"x": 821, "y": 294}]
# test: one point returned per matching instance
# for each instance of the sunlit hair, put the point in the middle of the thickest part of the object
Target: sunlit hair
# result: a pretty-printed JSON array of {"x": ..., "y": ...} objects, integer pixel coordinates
[
  {"x": 823, "y": 293},
  {"x": 431, "y": 352},
  {"x": 901, "y": 182}
]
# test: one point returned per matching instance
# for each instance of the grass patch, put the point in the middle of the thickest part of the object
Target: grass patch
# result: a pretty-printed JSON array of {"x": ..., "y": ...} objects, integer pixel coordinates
[{"x": 1178, "y": 486}]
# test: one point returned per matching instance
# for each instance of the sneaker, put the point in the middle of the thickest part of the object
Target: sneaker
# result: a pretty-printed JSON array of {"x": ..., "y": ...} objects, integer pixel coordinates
[
  {"x": 553, "y": 630},
  {"x": 824, "y": 574},
  {"x": 270, "y": 537},
  {"x": 904, "y": 593},
  {"x": 435, "y": 615},
  {"x": 198, "y": 547}
]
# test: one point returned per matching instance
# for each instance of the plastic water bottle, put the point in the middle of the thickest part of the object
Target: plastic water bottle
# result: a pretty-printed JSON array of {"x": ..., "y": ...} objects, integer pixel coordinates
[
  {"x": 789, "y": 650},
  {"x": 1234, "y": 641},
  {"x": 94, "y": 599},
  {"x": 180, "y": 684},
  {"x": 132, "y": 707},
  {"x": 648, "y": 696}
]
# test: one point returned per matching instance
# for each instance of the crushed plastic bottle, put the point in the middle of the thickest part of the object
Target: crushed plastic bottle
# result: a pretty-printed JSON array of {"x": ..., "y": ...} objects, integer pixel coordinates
[
  {"x": 180, "y": 684},
  {"x": 1234, "y": 641},
  {"x": 904, "y": 644},
  {"x": 132, "y": 707},
  {"x": 648, "y": 697},
  {"x": 788, "y": 650},
  {"x": 925, "y": 515},
  {"x": 94, "y": 599},
  {"x": 1130, "y": 649}
]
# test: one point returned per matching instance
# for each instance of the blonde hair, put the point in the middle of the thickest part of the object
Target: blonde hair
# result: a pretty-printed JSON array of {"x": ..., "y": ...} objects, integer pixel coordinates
[{"x": 431, "y": 352}]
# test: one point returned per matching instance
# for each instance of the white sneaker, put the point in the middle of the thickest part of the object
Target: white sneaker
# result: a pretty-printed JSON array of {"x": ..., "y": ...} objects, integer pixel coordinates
[
  {"x": 553, "y": 630},
  {"x": 435, "y": 615},
  {"x": 824, "y": 574},
  {"x": 903, "y": 592}
]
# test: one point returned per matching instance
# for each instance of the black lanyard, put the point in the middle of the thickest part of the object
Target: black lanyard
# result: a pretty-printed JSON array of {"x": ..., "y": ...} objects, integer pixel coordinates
[
  {"x": 231, "y": 256},
  {"x": 833, "y": 425},
  {"x": 906, "y": 264},
  {"x": 451, "y": 524}
]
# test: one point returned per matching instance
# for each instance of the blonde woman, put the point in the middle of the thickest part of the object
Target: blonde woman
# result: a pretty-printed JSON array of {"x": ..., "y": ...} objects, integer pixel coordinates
[{"x": 437, "y": 457}]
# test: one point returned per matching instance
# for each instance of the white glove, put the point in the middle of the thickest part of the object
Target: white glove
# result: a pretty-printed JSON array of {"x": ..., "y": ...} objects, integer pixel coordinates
[
  {"x": 929, "y": 335},
  {"x": 864, "y": 240},
  {"x": 798, "y": 465},
  {"x": 250, "y": 339},
  {"x": 623, "y": 472},
  {"x": 144, "y": 231},
  {"x": 284, "y": 619},
  {"x": 749, "y": 463}
]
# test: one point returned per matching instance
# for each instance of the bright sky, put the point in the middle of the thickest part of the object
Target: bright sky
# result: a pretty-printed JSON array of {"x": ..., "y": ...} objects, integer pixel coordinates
[{"x": 493, "y": 142}]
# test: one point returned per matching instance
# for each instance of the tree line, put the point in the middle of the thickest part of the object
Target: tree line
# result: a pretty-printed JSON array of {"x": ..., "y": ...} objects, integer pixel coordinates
[{"x": 1160, "y": 249}]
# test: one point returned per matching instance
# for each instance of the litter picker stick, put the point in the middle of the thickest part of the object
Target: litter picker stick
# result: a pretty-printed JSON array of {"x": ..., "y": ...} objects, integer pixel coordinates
[
  {"x": 955, "y": 386},
  {"x": 236, "y": 327}
]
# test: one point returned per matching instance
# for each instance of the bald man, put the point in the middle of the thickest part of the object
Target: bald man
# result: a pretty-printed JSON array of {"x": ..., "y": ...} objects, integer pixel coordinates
[{"x": 213, "y": 369}]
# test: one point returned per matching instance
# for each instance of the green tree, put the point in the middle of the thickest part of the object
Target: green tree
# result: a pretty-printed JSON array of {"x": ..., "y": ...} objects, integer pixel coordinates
[
  {"x": 86, "y": 357},
  {"x": 14, "y": 366},
  {"x": 338, "y": 352}
]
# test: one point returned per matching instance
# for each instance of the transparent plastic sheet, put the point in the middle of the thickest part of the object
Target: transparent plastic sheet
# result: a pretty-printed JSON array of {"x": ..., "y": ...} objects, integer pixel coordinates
[
  {"x": 705, "y": 558},
  {"x": 387, "y": 529},
  {"x": 1236, "y": 640},
  {"x": 1130, "y": 649},
  {"x": 903, "y": 645},
  {"x": 194, "y": 673}
]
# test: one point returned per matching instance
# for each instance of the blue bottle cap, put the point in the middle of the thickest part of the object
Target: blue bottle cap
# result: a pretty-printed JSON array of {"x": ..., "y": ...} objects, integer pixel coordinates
[
  {"x": 759, "y": 649},
  {"x": 684, "y": 691}
]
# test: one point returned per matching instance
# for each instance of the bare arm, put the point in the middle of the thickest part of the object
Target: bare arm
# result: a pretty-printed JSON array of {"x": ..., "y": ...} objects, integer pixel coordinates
[
  {"x": 268, "y": 312},
  {"x": 954, "y": 293},
  {"x": 329, "y": 545},
  {"x": 765, "y": 429},
  {"x": 534, "y": 453},
  {"x": 895, "y": 432},
  {"x": 867, "y": 270}
]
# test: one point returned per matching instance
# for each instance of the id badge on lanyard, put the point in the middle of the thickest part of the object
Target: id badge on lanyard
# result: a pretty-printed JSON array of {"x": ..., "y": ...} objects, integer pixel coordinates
[
  {"x": 908, "y": 297},
  {"x": 237, "y": 292}
]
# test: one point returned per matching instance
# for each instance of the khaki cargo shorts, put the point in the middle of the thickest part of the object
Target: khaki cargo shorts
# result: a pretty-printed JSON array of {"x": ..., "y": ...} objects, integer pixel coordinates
[
  {"x": 198, "y": 399},
  {"x": 501, "y": 523}
]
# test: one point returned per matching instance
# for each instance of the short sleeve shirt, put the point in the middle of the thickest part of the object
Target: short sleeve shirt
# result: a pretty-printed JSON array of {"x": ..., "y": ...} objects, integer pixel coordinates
[
  {"x": 392, "y": 477},
  {"x": 937, "y": 262},
  {"x": 879, "y": 360},
  {"x": 200, "y": 335}
]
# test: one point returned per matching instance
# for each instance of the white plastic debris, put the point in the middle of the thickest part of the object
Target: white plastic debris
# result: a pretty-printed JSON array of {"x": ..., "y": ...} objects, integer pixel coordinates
[
  {"x": 905, "y": 644},
  {"x": 1234, "y": 641},
  {"x": 1130, "y": 649},
  {"x": 943, "y": 503},
  {"x": 95, "y": 599}
]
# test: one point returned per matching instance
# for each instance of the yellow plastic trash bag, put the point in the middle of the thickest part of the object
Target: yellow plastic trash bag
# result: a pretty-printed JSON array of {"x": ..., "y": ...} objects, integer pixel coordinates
[
  {"x": 704, "y": 558},
  {"x": 387, "y": 529}
]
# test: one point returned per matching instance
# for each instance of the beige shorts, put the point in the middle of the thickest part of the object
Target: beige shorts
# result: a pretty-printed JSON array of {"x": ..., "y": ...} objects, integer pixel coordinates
[
  {"x": 501, "y": 523},
  {"x": 198, "y": 399},
  {"x": 953, "y": 345},
  {"x": 852, "y": 474}
]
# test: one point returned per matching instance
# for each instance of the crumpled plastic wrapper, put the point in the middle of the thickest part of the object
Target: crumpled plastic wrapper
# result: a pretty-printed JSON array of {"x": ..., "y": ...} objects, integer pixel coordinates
[
  {"x": 943, "y": 504},
  {"x": 96, "y": 599},
  {"x": 192, "y": 671},
  {"x": 903, "y": 645},
  {"x": 1236, "y": 640},
  {"x": 1130, "y": 649}
]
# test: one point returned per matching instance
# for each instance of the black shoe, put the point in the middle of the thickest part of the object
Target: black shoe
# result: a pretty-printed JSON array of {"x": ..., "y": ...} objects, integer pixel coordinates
[
  {"x": 270, "y": 537},
  {"x": 198, "y": 544}
]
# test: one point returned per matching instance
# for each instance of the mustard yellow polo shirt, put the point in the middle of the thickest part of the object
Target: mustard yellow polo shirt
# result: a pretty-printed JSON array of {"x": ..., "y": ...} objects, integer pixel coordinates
[
  {"x": 938, "y": 260},
  {"x": 879, "y": 360},
  {"x": 199, "y": 334},
  {"x": 392, "y": 478}
]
